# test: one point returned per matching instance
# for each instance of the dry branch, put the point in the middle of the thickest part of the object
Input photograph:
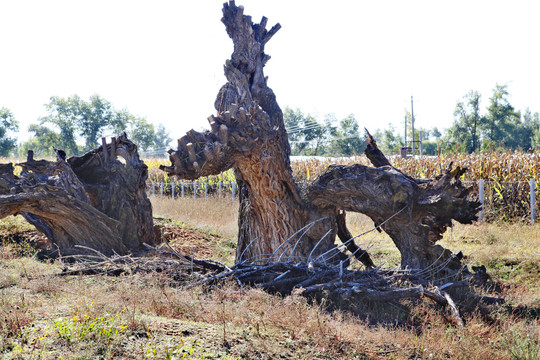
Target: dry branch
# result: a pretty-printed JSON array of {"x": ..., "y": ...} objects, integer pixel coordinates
[{"x": 318, "y": 281}]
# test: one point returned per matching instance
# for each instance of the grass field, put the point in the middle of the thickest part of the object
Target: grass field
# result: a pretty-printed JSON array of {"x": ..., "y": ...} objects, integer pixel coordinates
[{"x": 43, "y": 316}]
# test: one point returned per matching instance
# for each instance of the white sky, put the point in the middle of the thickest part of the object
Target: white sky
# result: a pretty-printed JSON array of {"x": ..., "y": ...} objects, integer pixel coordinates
[{"x": 164, "y": 59}]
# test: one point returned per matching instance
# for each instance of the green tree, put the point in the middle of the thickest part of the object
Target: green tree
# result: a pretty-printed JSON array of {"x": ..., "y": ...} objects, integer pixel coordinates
[
  {"x": 73, "y": 120},
  {"x": 436, "y": 133},
  {"x": 61, "y": 116},
  {"x": 294, "y": 120},
  {"x": 347, "y": 139},
  {"x": 430, "y": 147},
  {"x": 8, "y": 123},
  {"x": 95, "y": 117},
  {"x": 162, "y": 138},
  {"x": 388, "y": 140},
  {"x": 502, "y": 125},
  {"x": 314, "y": 133},
  {"x": 329, "y": 124},
  {"x": 531, "y": 124},
  {"x": 141, "y": 133},
  {"x": 306, "y": 133},
  {"x": 464, "y": 132},
  {"x": 42, "y": 143}
]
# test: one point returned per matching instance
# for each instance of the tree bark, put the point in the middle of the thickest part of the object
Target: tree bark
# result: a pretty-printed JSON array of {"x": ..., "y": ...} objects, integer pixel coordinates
[
  {"x": 249, "y": 134},
  {"x": 95, "y": 200},
  {"x": 118, "y": 188},
  {"x": 276, "y": 219},
  {"x": 422, "y": 212}
]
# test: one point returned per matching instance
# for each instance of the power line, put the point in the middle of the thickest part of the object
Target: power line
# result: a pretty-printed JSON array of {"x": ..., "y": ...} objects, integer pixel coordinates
[
  {"x": 296, "y": 129},
  {"x": 323, "y": 140}
]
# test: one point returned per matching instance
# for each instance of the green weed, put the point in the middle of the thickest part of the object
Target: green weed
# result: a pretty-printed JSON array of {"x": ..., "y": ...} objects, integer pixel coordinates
[{"x": 84, "y": 327}]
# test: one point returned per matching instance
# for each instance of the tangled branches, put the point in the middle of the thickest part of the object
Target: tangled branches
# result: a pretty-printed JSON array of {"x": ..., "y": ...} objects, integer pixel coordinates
[{"x": 336, "y": 285}]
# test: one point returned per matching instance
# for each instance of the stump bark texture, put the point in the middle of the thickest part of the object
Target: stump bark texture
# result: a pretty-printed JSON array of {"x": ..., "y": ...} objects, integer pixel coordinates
[
  {"x": 277, "y": 219},
  {"x": 95, "y": 200}
]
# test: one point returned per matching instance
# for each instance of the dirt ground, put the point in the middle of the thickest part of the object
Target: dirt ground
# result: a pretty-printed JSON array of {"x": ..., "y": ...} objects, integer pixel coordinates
[
  {"x": 188, "y": 241},
  {"x": 181, "y": 238}
]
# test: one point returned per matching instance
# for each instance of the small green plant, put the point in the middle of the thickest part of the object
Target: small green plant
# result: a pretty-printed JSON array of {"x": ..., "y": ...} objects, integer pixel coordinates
[
  {"x": 181, "y": 350},
  {"x": 84, "y": 327},
  {"x": 523, "y": 343}
]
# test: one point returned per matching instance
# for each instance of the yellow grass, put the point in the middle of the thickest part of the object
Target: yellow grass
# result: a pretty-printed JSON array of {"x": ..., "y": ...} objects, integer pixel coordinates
[
  {"x": 144, "y": 317},
  {"x": 211, "y": 214},
  {"x": 511, "y": 251}
]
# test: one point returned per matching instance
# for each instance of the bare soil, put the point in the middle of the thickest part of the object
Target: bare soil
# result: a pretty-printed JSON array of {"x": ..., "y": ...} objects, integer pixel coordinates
[
  {"x": 25, "y": 236},
  {"x": 188, "y": 241},
  {"x": 181, "y": 238}
]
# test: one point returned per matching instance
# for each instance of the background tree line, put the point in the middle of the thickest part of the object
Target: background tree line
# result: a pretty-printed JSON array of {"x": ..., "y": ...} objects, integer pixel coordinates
[
  {"x": 327, "y": 137},
  {"x": 76, "y": 125},
  {"x": 499, "y": 127}
]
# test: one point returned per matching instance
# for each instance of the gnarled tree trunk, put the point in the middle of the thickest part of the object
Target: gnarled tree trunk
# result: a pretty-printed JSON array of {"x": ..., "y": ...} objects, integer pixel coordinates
[
  {"x": 94, "y": 200},
  {"x": 276, "y": 219}
]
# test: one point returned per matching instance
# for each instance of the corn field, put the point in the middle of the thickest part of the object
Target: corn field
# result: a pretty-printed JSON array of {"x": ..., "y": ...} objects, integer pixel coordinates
[
  {"x": 491, "y": 167},
  {"x": 506, "y": 177}
]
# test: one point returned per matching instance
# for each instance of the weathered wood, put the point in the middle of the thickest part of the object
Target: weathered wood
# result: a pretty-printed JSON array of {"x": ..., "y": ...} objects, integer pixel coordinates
[
  {"x": 191, "y": 153},
  {"x": 8, "y": 179},
  {"x": 373, "y": 153},
  {"x": 381, "y": 192},
  {"x": 113, "y": 148},
  {"x": 453, "y": 308},
  {"x": 346, "y": 289},
  {"x": 272, "y": 209},
  {"x": 223, "y": 134},
  {"x": 213, "y": 124},
  {"x": 105, "y": 152},
  {"x": 119, "y": 190},
  {"x": 51, "y": 197},
  {"x": 84, "y": 201}
]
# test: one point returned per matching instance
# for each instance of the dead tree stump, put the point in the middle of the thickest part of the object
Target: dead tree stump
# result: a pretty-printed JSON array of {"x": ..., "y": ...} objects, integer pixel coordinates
[
  {"x": 94, "y": 200},
  {"x": 276, "y": 219}
]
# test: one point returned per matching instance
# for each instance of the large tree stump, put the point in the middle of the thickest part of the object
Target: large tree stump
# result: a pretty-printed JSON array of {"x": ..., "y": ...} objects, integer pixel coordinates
[
  {"x": 94, "y": 200},
  {"x": 276, "y": 219}
]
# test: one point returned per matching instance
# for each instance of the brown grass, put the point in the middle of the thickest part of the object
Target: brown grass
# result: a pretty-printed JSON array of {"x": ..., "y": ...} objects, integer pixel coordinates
[
  {"x": 144, "y": 317},
  {"x": 153, "y": 320},
  {"x": 210, "y": 214}
]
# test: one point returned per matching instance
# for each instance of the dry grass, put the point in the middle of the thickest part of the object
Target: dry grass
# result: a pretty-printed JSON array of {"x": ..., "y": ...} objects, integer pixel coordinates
[
  {"x": 220, "y": 216},
  {"x": 511, "y": 252},
  {"x": 210, "y": 214},
  {"x": 134, "y": 317},
  {"x": 494, "y": 245},
  {"x": 143, "y": 317}
]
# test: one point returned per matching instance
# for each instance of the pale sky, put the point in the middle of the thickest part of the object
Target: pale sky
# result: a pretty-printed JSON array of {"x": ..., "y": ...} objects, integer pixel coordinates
[{"x": 164, "y": 59}]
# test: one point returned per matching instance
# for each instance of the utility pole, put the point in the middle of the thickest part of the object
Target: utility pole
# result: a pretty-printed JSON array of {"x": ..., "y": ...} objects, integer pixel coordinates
[
  {"x": 412, "y": 124},
  {"x": 421, "y": 139},
  {"x": 405, "y": 138}
]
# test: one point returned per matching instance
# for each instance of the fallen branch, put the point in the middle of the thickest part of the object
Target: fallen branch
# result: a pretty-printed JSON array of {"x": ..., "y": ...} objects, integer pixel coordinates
[{"x": 315, "y": 280}]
